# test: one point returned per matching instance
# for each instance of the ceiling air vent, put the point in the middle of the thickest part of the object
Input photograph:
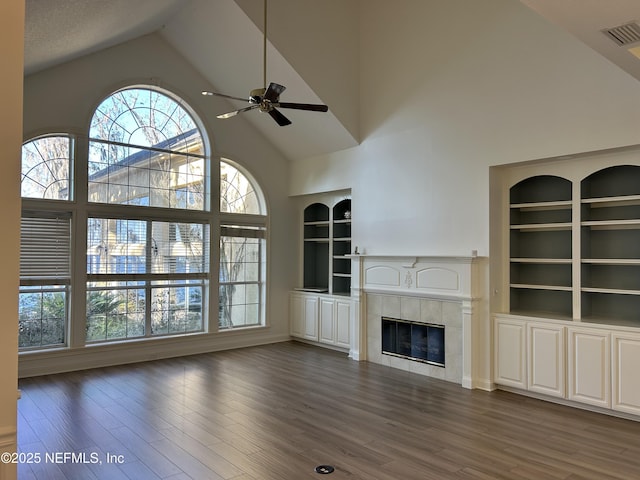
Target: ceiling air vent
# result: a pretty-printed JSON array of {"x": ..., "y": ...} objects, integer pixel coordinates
[{"x": 624, "y": 34}]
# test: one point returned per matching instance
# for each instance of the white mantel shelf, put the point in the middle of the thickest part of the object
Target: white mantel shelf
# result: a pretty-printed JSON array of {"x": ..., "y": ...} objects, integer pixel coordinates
[{"x": 435, "y": 258}]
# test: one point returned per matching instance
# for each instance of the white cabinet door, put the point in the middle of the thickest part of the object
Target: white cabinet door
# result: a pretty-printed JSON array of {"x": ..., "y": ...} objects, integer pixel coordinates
[
  {"x": 546, "y": 359},
  {"x": 296, "y": 315},
  {"x": 310, "y": 331},
  {"x": 343, "y": 323},
  {"x": 335, "y": 318},
  {"x": 509, "y": 352},
  {"x": 626, "y": 378},
  {"x": 327, "y": 321},
  {"x": 589, "y": 359}
]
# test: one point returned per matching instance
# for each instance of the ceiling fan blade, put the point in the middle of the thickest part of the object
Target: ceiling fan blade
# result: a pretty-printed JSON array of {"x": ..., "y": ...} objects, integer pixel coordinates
[
  {"x": 208, "y": 93},
  {"x": 273, "y": 92},
  {"x": 236, "y": 112},
  {"x": 279, "y": 117},
  {"x": 304, "y": 106}
]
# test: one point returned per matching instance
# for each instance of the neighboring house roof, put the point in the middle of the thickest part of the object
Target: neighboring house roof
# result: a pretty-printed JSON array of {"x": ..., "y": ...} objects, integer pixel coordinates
[{"x": 182, "y": 143}]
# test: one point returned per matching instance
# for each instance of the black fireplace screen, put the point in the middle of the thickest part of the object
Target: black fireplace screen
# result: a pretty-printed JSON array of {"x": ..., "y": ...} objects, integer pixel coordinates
[{"x": 423, "y": 342}]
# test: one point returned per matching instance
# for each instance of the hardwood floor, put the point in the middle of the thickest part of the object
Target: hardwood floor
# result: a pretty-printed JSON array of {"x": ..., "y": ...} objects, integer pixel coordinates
[{"x": 278, "y": 411}]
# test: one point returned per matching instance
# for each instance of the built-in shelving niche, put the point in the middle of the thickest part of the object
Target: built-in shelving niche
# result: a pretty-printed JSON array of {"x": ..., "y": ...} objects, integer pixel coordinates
[
  {"x": 327, "y": 245},
  {"x": 341, "y": 265},
  {"x": 610, "y": 245},
  {"x": 545, "y": 247},
  {"x": 316, "y": 247},
  {"x": 541, "y": 246}
]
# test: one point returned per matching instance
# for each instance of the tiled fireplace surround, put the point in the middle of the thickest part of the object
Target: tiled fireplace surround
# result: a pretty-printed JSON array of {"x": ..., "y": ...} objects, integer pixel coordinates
[{"x": 435, "y": 290}]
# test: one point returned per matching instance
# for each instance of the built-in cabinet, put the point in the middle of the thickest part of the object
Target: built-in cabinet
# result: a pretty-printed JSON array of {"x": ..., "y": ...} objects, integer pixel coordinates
[
  {"x": 626, "y": 380},
  {"x": 334, "y": 321},
  {"x": 303, "y": 312},
  {"x": 320, "y": 318},
  {"x": 545, "y": 358},
  {"x": 589, "y": 357},
  {"x": 589, "y": 363},
  {"x": 509, "y": 354},
  {"x": 320, "y": 310},
  {"x": 566, "y": 281}
]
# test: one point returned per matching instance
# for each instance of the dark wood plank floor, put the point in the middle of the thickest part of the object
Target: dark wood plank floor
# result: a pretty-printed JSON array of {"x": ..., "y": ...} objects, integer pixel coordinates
[{"x": 278, "y": 411}]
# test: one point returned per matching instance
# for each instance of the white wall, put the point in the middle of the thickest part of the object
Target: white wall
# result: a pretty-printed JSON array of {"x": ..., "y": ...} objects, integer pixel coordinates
[
  {"x": 63, "y": 99},
  {"x": 11, "y": 52},
  {"x": 448, "y": 88}
]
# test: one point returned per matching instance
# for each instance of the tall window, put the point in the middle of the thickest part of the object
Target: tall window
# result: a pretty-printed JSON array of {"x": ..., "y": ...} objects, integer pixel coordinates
[
  {"x": 45, "y": 242},
  {"x": 148, "y": 268},
  {"x": 242, "y": 250},
  {"x": 141, "y": 224}
]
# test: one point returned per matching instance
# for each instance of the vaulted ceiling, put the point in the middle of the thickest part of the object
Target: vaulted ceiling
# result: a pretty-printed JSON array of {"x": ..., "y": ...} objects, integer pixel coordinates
[
  {"x": 589, "y": 20},
  {"x": 313, "y": 49}
]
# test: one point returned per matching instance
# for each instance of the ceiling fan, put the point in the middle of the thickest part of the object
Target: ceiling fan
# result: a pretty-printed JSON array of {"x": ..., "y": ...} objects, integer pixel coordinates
[{"x": 267, "y": 98}]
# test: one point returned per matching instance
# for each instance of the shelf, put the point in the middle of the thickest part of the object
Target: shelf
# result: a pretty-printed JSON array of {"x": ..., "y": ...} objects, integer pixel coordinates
[
  {"x": 541, "y": 287},
  {"x": 344, "y": 221},
  {"x": 341, "y": 257},
  {"x": 611, "y": 261},
  {"x": 616, "y": 322},
  {"x": 319, "y": 240},
  {"x": 537, "y": 314},
  {"x": 631, "y": 224},
  {"x": 540, "y": 227},
  {"x": 610, "y": 290},
  {"x": 341, "y": 239},
  {"x": 342, "y": 275},
  {"x": 555, "y": 205},
  {"x": 619, "y": 201},
  {"x": 566, "y": 261},
  {"x": 320, "y": 222}
]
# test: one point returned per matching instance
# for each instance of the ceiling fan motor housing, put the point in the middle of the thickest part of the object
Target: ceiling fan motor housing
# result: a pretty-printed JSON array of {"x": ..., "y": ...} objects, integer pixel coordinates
[{"x": 255, "y": 96}]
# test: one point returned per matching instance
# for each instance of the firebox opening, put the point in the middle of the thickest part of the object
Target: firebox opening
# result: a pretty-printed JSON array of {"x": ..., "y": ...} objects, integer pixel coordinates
[{"x": 422, "y": 342}]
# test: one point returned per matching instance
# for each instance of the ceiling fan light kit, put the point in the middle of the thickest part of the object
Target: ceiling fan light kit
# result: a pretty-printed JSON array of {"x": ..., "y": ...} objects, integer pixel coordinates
[{"x": 267, "y": 98}]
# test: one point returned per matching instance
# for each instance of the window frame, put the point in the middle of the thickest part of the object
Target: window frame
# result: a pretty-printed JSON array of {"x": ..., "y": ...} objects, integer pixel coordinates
[
  {"x": 258, "y": 221},
  {"x": 80, "y": 210}
]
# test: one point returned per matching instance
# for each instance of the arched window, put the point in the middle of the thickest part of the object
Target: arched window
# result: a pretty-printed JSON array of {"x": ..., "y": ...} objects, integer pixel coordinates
[
  {"x": 145, "y": 149},
  {"x": 141, "y": 223},
  {"x": 242, "y": 249},
  {"x": 237, "y": 192},
  {"x": 46, "y": 168},
  {"x": 148, "y": 269}
]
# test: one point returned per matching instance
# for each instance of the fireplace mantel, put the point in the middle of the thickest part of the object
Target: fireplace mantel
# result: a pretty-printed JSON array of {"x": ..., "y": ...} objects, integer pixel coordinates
[
  {"x": 447, "y": 277},
  {"x": 411, "y": 279}
]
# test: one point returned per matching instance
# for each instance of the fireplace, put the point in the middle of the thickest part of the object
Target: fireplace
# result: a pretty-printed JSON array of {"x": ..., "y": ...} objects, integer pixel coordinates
[
  {"x": 429, "y": 307},
  {"x": 421, "y": 342}
]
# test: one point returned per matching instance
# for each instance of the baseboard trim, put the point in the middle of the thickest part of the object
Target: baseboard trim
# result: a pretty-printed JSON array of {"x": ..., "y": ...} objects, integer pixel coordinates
[
  {"x": 570, "y": 403},
  {"x": 8, "y": 444},
  {"x": 105, "y": 355}
]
